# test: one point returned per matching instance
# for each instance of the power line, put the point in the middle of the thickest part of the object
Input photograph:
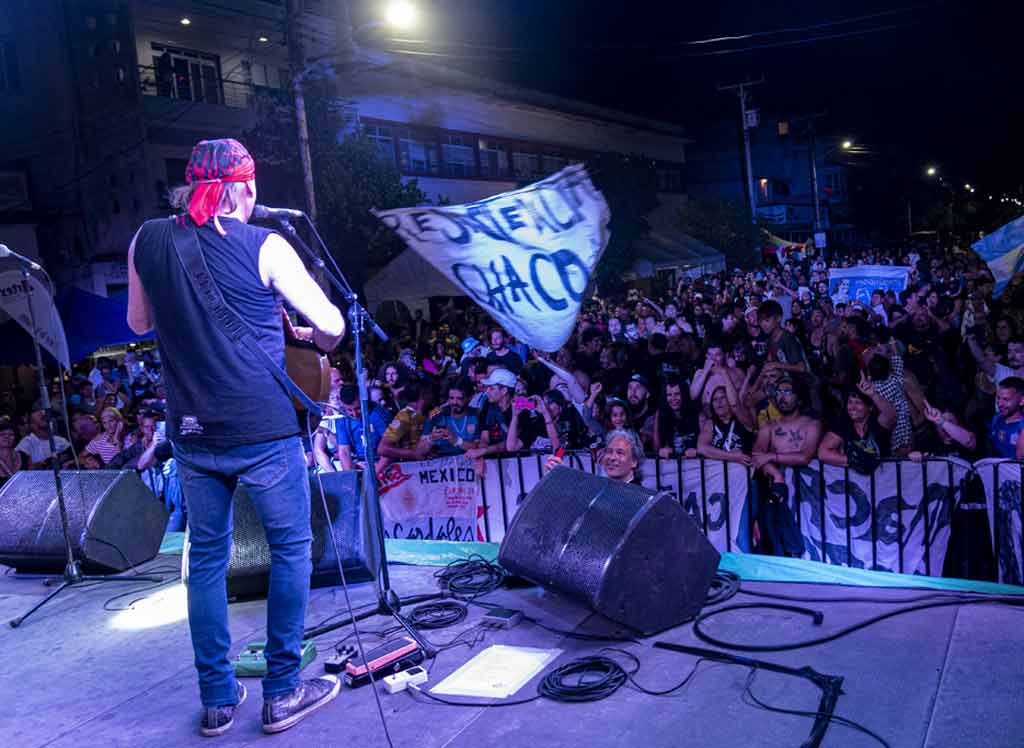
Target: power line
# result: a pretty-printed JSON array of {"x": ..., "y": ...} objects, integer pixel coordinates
[
  {"x": 794, "y": 42},
  {"x": 686, "y": 43}
]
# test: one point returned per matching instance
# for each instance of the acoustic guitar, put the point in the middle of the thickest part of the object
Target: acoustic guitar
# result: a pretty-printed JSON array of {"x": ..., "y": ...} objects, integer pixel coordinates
[{"x": 306, "y": 366}]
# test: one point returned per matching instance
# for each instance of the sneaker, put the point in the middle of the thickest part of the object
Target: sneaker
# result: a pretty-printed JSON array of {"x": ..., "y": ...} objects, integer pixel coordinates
[
  {"x": 287, "y": 710},
  {"x": 217, "y": 720}
]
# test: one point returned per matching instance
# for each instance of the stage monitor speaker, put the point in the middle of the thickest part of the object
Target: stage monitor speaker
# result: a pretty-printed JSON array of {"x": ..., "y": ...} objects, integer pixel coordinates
[
  {"x": 114, "y": 520},
  {"x": 632, "y": 555},
  {"x": 249, "y": 564}
]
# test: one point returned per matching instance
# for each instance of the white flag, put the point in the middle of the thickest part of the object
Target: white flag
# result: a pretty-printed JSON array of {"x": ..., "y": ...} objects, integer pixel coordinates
[
  {"x": 524, "y": 256},
  {"x": 15, "y": 292}
]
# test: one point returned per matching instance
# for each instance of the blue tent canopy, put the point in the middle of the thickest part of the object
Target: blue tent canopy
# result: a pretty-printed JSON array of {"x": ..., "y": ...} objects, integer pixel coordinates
[{"x": 90, "y": 322}]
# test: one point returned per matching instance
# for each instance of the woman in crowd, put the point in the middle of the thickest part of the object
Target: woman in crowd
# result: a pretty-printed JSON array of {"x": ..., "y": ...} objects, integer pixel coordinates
[
  {"x": 11, "y": 460},
  {"x": 111, "y": 440}
]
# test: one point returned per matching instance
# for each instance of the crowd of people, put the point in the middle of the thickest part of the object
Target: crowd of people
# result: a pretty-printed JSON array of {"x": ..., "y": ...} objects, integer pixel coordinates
[{"x": 762, "y": 367}]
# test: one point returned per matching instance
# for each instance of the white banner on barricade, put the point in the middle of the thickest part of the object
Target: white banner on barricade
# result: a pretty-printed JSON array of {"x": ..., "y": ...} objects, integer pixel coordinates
[
  {"x": 911, "y": 504},
  {"x": 706, "y": 494},
  {"x": 1003, "y": 480},
  {"x": 431, "y": 500}
]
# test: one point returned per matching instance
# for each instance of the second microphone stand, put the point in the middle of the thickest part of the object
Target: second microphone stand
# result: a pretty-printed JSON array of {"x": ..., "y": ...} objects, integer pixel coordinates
[{"x": 388, "y": 601}]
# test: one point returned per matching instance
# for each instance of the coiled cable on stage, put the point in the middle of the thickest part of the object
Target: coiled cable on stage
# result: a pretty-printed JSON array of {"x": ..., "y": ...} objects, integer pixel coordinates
[
  {"x": 437, "y": 615},
  {"x": 723, "y": 587},
  {"x": 471, "y": 578},
  {"x": 585, "y": 679}
]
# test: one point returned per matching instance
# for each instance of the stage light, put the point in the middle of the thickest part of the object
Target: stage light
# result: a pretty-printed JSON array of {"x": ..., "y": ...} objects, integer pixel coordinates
[
  {"x": 847, "y": 145},
  {"x": 967, "y": 186},
  {"x": 162, "y": 608},
  {"x": 186, "y": 21},
  {"x": 264, "y": 39},
  {"x": 931, "y": 171}
]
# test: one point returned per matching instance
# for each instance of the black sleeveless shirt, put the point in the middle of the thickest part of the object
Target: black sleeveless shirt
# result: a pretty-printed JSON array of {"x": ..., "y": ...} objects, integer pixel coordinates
[{"x": 217, "y": 396}]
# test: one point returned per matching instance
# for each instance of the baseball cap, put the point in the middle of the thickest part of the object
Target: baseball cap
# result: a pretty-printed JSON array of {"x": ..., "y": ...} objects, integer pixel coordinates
[
  {"x": 469, "y": 344},
  {"x": 503, "y": 377},
  {"x": 640, "y": 379}
]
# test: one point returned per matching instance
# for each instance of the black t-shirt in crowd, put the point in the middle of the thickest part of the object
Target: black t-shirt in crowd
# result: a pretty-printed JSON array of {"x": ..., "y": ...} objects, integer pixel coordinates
[
  {"x": 680, "y": 431},
  {"x": 509, "y": 360}
]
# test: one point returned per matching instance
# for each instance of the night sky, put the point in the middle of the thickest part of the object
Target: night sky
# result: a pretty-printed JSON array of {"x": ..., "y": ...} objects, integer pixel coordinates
[{"x": 936, "y": 82}]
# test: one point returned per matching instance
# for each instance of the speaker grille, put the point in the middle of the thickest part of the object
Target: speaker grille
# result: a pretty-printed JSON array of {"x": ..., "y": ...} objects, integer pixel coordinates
[
  {"x": 114, "y": 521},
  {"x": 632, "y": 555}
]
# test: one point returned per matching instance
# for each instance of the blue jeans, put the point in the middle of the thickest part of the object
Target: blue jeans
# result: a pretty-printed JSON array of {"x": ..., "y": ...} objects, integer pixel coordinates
[{"x": 275, "y": 475}]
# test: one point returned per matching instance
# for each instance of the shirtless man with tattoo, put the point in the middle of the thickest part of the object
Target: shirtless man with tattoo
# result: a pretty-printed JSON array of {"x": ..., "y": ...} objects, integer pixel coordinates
[{"x": 790, "y": 440}]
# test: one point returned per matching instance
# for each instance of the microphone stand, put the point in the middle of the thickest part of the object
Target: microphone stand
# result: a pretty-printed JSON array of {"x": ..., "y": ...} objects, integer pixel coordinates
[
  {"x": 72, "y": 571},
  {"x": 388, "y": 601}
]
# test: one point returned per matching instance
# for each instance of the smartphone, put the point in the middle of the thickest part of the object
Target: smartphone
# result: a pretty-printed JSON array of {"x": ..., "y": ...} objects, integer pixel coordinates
[
  {"x": 524, "y": 403},
  {"x": 161, "y": 428}
]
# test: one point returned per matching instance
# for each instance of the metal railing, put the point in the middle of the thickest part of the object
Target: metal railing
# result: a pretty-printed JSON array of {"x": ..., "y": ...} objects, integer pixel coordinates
[
  {"x": 192, "y": 86},
  {"x": 898, "y": 518}
]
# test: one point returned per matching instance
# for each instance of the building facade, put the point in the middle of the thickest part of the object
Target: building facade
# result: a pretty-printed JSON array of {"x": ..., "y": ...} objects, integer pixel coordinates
[{"x": 780, "y": 156}]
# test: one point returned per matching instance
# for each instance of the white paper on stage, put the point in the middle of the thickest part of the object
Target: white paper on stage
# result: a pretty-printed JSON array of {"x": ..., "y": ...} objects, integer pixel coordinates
[{"x": 497, "y": 672}]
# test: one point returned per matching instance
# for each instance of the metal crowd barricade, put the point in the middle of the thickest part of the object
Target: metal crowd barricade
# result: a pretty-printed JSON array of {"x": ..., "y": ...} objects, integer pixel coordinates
[{"x": 874, "y": 535}]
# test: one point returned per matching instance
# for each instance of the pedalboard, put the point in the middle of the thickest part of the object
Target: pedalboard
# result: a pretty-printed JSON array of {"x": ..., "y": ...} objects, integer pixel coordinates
[
  {"x": 252, "y": 662},
  {"x": 338, "y": 659},
  {"x": 391, "y": 657}
]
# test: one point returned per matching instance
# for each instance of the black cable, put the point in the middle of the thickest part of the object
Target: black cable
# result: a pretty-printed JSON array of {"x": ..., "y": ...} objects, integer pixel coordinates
[
  {"x": 348, "y": 599},
  {"x": 585, "y": 679},
  {"x": 643, "y": 689},
  {"x": 723, "y": 587},
  {"x": 437, "y": 615},
  {"x": 818, "y": 616},
  {"x": 469, "y": 578},
  {"x": 845, "y": 722}
]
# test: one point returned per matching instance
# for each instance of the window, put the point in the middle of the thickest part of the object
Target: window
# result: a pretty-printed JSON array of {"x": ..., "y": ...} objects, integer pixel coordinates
[
  {"x": 525, "y": 165},
  {"x": 383, "y": 139},
  {"x": 459, "y": 160},
  {"x": 670, "y": 179},
  {"x": 493, "y": 159},
  {"x": 187, "y": 74},
  {"x": 834, "y": 183},
  {"x": 419, "y": 155},
  {"x": 14, "y": 191},
  {"x": 552, "y": 162},
  {"x": 9, "y": 79}
]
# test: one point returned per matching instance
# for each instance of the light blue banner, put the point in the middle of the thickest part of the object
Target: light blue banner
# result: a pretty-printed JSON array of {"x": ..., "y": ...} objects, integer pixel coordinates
[{"x": 846, "y": 285}]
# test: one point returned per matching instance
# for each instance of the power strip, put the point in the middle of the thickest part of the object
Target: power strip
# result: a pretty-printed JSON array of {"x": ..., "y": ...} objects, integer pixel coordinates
[{"x": 400, "y": 681}]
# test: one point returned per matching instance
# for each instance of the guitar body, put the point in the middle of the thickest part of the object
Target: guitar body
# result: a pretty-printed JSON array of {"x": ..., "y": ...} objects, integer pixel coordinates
[{"x": 309, "y": 369}]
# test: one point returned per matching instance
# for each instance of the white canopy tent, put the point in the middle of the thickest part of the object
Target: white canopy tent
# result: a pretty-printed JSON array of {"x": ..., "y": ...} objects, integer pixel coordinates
[{"x": 410, "y": 280}]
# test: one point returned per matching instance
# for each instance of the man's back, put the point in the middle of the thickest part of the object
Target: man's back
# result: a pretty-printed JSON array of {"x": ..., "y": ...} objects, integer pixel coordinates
[{"x": 217, "y": 394}]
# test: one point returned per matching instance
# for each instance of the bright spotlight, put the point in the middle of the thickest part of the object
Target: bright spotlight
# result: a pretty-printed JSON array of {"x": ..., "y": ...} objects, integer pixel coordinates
[
  {"x": 402, "y": 14},
  {"x": 847, "y": 145}
]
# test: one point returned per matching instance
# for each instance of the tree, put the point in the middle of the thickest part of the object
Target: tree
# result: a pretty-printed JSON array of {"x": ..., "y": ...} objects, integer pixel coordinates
[
  {"x": 630, "y": 187},
  {"x": 352, "y": 179},
  {"x": 725, "y": 225}
]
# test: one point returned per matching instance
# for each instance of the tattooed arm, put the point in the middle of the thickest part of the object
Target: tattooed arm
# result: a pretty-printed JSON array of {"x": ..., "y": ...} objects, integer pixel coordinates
[{"x": 803, "y": 437}]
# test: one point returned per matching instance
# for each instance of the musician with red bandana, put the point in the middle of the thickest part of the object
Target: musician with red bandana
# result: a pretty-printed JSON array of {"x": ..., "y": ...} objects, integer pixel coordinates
[{"x": 223, "y": 433}]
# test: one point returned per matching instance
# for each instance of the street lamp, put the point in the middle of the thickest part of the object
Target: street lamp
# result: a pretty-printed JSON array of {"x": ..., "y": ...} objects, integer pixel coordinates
[
  {"x": 847, "y": 145},
  {"x": 402, "y": 14},
  {"x": 967, "y": 186},
  {"x": 931, "y": 171}
]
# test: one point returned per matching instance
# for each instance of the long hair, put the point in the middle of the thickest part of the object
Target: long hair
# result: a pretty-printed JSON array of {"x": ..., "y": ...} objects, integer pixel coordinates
[{"x": 180, "y": 197}]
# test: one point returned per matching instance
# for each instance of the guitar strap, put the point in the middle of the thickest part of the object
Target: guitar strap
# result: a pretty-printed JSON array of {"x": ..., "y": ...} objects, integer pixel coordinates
[{"x": 237, "y": 330}]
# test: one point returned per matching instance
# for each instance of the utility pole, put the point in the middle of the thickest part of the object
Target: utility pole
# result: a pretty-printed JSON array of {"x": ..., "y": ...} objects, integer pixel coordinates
[
  {"x": 297, "y": 60},
  {"x": 741, "y": 91}
]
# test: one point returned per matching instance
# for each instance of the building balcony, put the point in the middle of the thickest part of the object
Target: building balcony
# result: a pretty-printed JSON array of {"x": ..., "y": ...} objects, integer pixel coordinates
[{"x": 196, "y": 85}]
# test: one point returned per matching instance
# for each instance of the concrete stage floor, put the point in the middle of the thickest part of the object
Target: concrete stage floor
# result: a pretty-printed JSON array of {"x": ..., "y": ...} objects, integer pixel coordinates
[{"x": 76, "y": 675}]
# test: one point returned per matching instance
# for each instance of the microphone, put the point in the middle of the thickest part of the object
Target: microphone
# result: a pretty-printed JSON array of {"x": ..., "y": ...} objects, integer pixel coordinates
[
  {"x": 263, "y": 213},
  {"x": 6, "y": 251}
]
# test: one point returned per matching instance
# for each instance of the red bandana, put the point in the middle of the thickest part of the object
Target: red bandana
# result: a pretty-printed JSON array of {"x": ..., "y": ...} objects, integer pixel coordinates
[{"x": 213, "y": 163}]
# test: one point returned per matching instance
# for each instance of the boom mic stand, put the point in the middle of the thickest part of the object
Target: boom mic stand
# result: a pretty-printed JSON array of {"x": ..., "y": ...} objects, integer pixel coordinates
[
  {"x": 388, "y": 601},
  {"x": 72, "y": 571}
]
